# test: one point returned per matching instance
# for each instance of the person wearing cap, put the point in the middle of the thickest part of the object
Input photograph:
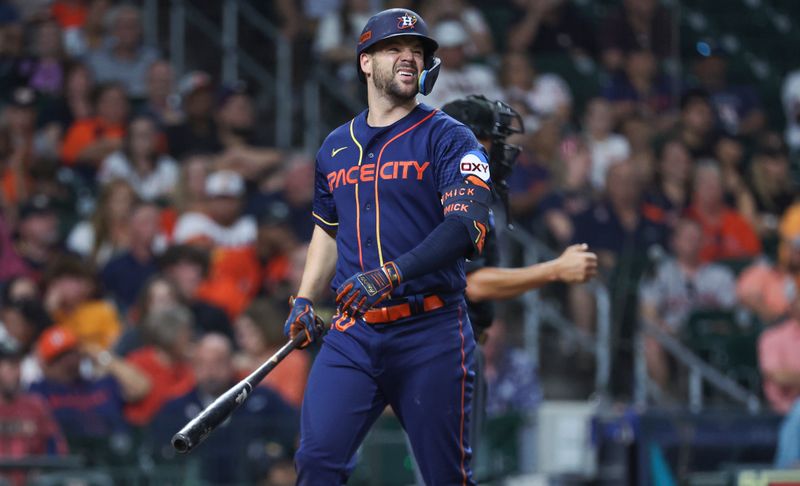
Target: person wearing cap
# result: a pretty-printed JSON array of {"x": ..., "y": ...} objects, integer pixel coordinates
[
  {"x": 87, "y": 407},
  {"x": 459, "y": 77},
  {"x": 27, "y": 426},
  {"x": 124, "y": 59},
  {"x": 37, "y": 241},
  {"x": 221, "y": 223},
  {"x": 197, "y": 133}
]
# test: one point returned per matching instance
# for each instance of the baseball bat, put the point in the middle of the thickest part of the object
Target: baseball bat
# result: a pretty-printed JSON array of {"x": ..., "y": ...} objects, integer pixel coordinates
[{"x": 193, "y": 433}]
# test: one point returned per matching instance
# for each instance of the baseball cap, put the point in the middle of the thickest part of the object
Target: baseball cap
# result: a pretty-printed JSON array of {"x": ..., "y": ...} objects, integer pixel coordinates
[
  {"x": 54, "y": 342},
  {"x": 450, "y": 33},
  {"x": 224, "y": 183},
  {"x": 193, "y": 82},
  {"x": 36, "y": 205},
  {"x": 23, "y": 97}
]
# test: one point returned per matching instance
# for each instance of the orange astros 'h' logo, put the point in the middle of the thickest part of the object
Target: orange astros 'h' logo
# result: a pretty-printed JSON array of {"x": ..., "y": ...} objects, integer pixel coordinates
[
  {"x": 398, "y": 169},
  {"x": 407, "y": 21}
]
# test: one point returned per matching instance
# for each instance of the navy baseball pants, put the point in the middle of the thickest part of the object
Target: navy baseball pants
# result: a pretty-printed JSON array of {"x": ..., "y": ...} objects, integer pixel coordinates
[{"x": 421, "y": 366}]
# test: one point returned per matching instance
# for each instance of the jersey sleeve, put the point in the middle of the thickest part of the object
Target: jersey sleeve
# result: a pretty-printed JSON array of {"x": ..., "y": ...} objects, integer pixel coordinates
[
  {"x": 324, "y": 208},
  {"x": 457, "y": 154}
]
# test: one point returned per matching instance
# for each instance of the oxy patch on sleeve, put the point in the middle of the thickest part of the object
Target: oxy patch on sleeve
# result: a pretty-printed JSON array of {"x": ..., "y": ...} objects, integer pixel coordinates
[{"x": 475, "y": 163}]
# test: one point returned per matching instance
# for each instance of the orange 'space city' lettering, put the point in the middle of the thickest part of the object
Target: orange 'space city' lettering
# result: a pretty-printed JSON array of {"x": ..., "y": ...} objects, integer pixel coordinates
[{"x": 399, "y": 169}]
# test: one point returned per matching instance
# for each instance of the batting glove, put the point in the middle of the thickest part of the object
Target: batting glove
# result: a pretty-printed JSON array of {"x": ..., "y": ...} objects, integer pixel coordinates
[
  {"x": 301, "y": 319},
  {"x": 362, "y": 291}
]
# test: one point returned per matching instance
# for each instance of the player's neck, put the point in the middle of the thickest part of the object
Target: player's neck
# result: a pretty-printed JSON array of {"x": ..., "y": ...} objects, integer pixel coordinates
[{"x": 383, "y": 110}]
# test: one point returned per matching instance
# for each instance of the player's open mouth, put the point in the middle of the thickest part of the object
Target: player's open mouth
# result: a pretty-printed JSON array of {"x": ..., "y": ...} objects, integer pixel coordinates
[{"x": 408, "y": 73}]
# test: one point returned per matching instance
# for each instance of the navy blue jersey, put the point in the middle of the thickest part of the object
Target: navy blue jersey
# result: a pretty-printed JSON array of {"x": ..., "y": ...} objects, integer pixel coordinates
[{"x": 380, "y": 190}]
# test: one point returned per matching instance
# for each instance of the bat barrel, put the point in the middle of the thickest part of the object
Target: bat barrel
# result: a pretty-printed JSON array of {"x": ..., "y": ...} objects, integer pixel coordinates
[{"x": 181, "y": 443}]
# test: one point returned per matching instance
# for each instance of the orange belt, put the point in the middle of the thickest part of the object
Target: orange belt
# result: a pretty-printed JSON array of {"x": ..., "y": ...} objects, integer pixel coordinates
[{"x": 396, "y": 312}]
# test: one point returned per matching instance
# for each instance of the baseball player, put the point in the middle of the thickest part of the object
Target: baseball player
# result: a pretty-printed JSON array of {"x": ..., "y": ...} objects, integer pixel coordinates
[{"x": 402, "y": 196}]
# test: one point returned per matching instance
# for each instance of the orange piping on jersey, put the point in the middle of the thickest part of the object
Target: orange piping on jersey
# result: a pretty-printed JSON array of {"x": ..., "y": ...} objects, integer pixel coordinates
[
  {"x": 377, "y": 168},
  {"x": 358, "y": 206},
  {"x": 463, "y": 389},
  {"x": 477, "y": 181}
]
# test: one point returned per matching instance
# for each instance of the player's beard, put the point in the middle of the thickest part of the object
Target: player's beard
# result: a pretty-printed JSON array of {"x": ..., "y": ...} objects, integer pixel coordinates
[{"x": 387, "y": 83}]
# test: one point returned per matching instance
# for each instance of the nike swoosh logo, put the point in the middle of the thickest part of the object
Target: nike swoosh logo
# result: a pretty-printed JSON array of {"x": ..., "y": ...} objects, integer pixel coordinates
[{"x": 336, "y": 151}]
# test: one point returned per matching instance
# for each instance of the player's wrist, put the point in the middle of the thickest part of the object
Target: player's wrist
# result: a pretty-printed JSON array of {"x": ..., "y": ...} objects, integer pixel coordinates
[
  {"x": 393, "y": 273},
  {"x": 298, "y": 300}
]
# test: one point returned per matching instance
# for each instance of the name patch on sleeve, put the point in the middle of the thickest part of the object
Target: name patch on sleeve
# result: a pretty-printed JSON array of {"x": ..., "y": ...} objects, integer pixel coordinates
[{"x": 474, "y": 163}]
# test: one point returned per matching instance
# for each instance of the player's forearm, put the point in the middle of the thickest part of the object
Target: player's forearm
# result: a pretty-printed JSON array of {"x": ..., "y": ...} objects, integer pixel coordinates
[
  {"x": 447, "y": 243},
  {"x": 320, "y": 265},
  {"x": 490, "y": 283}
]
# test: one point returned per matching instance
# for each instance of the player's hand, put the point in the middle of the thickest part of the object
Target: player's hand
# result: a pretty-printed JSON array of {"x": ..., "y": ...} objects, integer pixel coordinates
[
  {"x": 301, "y": 319},
  {"x": 362, "y": 291},
  {"x": 577, "y": 264}
]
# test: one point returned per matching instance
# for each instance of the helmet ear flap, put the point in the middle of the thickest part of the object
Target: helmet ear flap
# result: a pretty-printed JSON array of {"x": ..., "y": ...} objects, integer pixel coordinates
[{"x": 428, "y": 77}]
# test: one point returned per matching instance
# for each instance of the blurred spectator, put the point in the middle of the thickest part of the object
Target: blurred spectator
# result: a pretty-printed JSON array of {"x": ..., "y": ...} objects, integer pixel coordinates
[
  {"x": 106, "y": 233},
  {"x": 37, "y": 240},
  {"x": 11, "y": 262},
  {"x": 772, "y": 185},
  {"x": 152, "y": 175},
  {"x": 22, "y": 320},
  {"x": 198, "y": 131},
  {"x": 190, "y": 192},
  {"x": 157, "y": 294},
  {"x": 726, "y": 233},
  {"x": 640, "y": 89},
  {"x": 779, "y": 361},
  {"x": 622, "y": 233},
  {"x": 162, "y": 103},
  {"x": 738, "y": 108},
  {"x": 681, "y": 285},
  {"x": 259, "y": 334},
  {"x": 669, "y": 195},
  {"x": 123, "y": 58},
  {"x": 69, "y": 13},
  {"x": 458, "y": 76},
  {"x": 636, "y": 25},
  {"x": 480, "y": 37},
  {"x": 338, "y": 33},
  {"x": 606, "y": 146},
  {"x": 243, "y": 151},
  {"x": 88, "y": 408},
  {"x": 221, "y": 223},
  {"x": 90, "y": 140},
  {"x": 17, "y": 288},
  {"x": 45, "y": 72},
  {"x": 58, "y": 114},
  {"x": 244, "y": 450},
  {"x": 164, "y": 360},
  {"x": 696, "y": 126},
  {"x": 186, "y": 267},
  {"x": 549, "y": 27},
  {"x": 17, "y": 145},
  {"x": 543, "y": 95},
  {"x": 639, "y": 132},
  {"x": 27, "y": 427},
  {"x": 769, "y": 288},
  {"x": 512, "y": 380},
  {"x": 125, "y": 274},
  {"x": 12, "y": 49},
  {"x": 71, "y": 297},
  {"x": 729, "y": 152},
  {"x": 91, "y": 37},
  {"x": 298, "y": 193}
]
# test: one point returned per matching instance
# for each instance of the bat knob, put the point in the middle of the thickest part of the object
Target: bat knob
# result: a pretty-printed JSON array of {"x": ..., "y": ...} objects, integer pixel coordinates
[{"x": 181, "y": 443}]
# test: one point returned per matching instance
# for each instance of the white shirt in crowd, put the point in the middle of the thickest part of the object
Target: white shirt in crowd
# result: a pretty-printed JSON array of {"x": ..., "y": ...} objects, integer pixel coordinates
[
  {"x": 197, "y": 226},
  {"x": 159, "y": 183},
  {"x": 605, "y": 153}
]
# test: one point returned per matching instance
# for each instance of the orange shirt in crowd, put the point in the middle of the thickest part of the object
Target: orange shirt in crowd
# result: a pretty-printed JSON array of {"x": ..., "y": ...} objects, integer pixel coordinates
[
  {"x": 167, "y": 381},
  {"x": 729, "y": 237},
  {"x": 778, "y": 352},
  {"x": 94, "y": 322},
  {"x": 236, "y": 275},
  {"x": 288, "y": 379},
  {"x": 83, "y": 133}
]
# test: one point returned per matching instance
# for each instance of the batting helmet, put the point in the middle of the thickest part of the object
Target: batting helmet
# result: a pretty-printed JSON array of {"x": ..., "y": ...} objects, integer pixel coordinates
[{"x": 397, "y": 22}]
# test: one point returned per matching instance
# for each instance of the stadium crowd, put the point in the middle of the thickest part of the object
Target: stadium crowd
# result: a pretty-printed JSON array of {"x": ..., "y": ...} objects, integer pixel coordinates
[{"x": 150, "y": 235}]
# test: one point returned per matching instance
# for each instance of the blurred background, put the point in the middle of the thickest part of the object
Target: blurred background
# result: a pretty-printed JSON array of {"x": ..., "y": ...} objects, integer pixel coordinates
[{"x": 157, "y": 167}]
